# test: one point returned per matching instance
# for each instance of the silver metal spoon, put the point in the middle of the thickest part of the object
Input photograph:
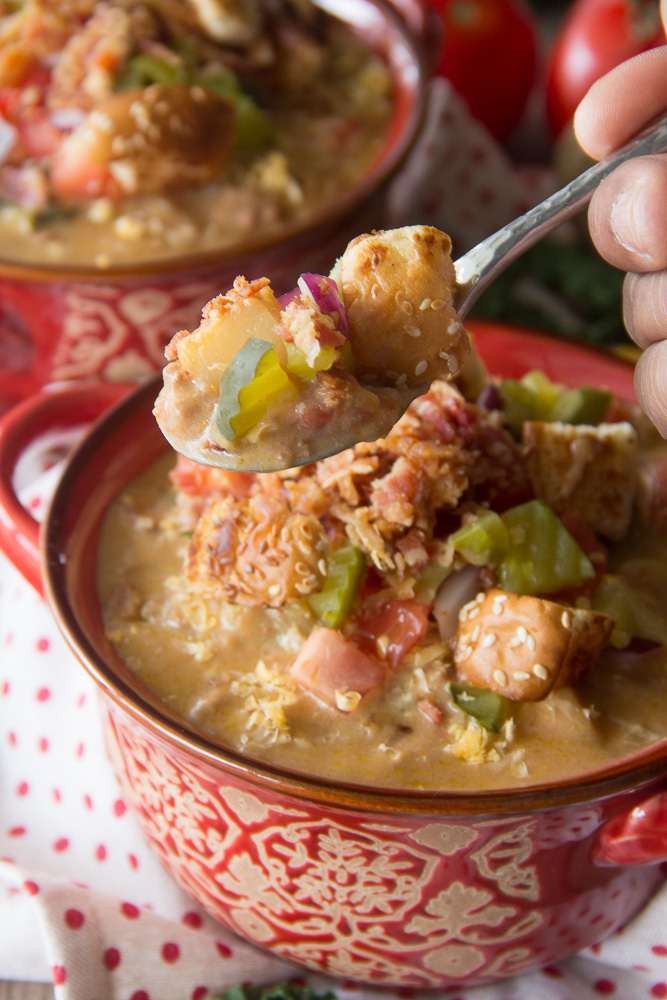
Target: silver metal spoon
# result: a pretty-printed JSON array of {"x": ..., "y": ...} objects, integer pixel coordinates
[
  {"x": 477, "y": 268},
  {"x": 474, "y": 272}
]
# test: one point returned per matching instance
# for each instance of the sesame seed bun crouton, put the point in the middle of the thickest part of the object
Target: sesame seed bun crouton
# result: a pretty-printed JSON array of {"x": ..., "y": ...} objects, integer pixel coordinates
[
  {"x": 588, "y": 469},
  {"x": 397, "y": 290},
  {"x": 523, "y": 647}
]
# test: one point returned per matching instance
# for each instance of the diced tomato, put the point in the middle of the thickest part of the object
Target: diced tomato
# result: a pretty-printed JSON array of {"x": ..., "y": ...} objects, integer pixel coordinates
[
  {"x": 39, "y": 136},
  {"x": 390, "y": 632},
  {"x": 430, "y": 711},
  {"x": 204, "y": 480},
  {"x": 327, "y": 663}
]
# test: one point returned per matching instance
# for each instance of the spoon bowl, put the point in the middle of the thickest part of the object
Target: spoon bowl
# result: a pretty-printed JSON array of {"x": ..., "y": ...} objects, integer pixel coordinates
[{"x": 328, "y": 417}]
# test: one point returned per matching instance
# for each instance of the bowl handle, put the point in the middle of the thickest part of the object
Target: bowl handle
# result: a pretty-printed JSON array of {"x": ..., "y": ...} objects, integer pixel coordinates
[
  {"x": 75, "y": 404},
  {"x": 635, "y": 837}
]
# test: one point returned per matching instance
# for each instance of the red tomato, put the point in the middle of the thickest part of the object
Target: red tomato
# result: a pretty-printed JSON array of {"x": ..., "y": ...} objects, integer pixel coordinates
[
  {"x": 489, "y": 52},
  {"x": 596, "y": 36},
  {"x": 327, "y": 663},
  {"x": 397, "y": 624}
]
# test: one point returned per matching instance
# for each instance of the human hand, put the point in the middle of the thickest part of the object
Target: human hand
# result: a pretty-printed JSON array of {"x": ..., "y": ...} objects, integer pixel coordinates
[{"x": 628, "y": 212}]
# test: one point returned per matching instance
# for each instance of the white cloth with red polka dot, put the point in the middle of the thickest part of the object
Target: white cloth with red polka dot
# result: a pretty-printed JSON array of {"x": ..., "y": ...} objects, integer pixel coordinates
[{"x": 83, "y": 902}]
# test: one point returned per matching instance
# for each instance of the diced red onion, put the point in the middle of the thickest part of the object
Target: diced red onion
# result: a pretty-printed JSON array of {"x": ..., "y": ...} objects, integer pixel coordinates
[
  {"x": 325, "y": 294},
  {"x": 454, "y": 591},
  {"x": 8, "y": 136},
  {"x": 489, "y": 398},
  {"x": 635, "y": 650},
  {"x": 285, "y": 299},
  {"x": 67, "y": 119}
]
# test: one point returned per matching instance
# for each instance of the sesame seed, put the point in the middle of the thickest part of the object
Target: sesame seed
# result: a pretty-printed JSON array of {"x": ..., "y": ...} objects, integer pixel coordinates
[
  {"x": 413, "y": 331},
  {"x": 489, "y": 639},
  {"x": 304, "y": 547},
  {"x": 274, "y": 590},
  {"x": 513, "y": 643},
  {"x": 375, "y": 291},
  {"x": 444, "y": 355},
  {"x": 301, "y": 569},
  {"x": 425, "y": 304},
  {"x": 566, "y": 619},
  {"x": 382, "y": 645},
  {"x": 473, "y": 613},
  {"x": 401, "y": 380},
  {"x": 521, "y": 634},
  {"x": 500, "y": 677},
  {"x": 530, "y": 642},
  {"x": 407, "y": 307},
  {"x": 521, "y": 675},
  {"x": 540, "y": 671},
  {"x": 497, "y": 608},
  {"x": 303, "y": 588},
  {"x": 390, "y": 375},
  {"x": 421, "y": 367},
  {"x": 453, "y": 364},
  {"x": 475, "y": 633},
  {"x": 501, "y": 597},
  {"x": 437, "y": 304},
  {"x": 248, "y": 568},
  {"x": 322, "y": 566}
]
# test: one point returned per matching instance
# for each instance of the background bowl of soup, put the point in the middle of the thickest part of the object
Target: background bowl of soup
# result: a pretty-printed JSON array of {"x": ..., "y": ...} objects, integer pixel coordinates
[
  {"x": 379, "y": 884},
  {"x": 109, "y": 247}
]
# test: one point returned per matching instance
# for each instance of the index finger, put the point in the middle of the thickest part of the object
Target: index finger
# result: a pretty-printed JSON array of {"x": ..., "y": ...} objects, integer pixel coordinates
[{"x": 620, "y": 103}]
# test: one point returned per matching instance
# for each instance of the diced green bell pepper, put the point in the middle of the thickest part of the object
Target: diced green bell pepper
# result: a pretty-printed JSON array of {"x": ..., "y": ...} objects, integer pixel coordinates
[
  {"x": 250, "y": 383},
  {"x": 253, "y": 128},
  {"x": 631, "y": 609},
  {"x": 531, "y": 398},
  {"x": 490, "y": 709},
  {"x": 346, "y": 568},
  {"x": 543, "y": 557},
  {"x": 483, "y": 541},
  {"x": 535, "y": 397},
  {"x": 585, "y": 405},
  {"x": 428, "y": 582}
]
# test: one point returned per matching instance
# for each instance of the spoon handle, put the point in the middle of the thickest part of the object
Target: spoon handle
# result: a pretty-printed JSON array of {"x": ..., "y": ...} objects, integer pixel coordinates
[{"x": 477, "y": 268}]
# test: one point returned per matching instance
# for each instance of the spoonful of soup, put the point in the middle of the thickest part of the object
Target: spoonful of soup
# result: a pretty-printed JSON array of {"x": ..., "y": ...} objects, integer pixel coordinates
[{"x": 268, "y": 383}]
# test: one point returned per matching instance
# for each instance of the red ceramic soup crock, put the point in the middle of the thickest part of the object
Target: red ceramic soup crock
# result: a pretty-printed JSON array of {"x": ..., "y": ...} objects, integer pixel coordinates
[
  {"x": 375, "y": 885},
  {"x": 60, "y": 323}
]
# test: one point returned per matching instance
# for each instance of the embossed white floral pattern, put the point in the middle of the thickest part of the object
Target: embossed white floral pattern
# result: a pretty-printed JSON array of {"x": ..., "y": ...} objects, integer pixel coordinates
[
  {"x": 332, "y": 890},
  {"x": 119, "y": 333}
]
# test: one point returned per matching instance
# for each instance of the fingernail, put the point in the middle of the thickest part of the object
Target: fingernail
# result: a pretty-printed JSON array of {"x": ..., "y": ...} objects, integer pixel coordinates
[{"x": 629, "y": 222}]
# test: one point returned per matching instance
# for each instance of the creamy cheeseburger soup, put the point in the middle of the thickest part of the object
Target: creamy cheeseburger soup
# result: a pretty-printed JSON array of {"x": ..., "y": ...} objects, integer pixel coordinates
[
  {"x": 134, "y": 131},
  {"x": 472, "y": 602}
]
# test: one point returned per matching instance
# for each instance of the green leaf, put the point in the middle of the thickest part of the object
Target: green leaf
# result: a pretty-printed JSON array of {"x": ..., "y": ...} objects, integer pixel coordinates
[{"x": 278, "y": 991}]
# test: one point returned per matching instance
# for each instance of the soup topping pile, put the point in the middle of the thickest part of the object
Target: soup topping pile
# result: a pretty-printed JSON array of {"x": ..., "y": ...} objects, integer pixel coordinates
[
  {"x": 263, "y": 383},
  {"x": 473, "y": 601},
  {"x": 140, "y": 130}
]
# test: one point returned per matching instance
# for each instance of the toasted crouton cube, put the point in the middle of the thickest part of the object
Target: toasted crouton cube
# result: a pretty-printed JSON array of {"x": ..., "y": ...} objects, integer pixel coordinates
[
  {"x": 592, "y": 470},
  {"x": 523, "y": 647}
]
